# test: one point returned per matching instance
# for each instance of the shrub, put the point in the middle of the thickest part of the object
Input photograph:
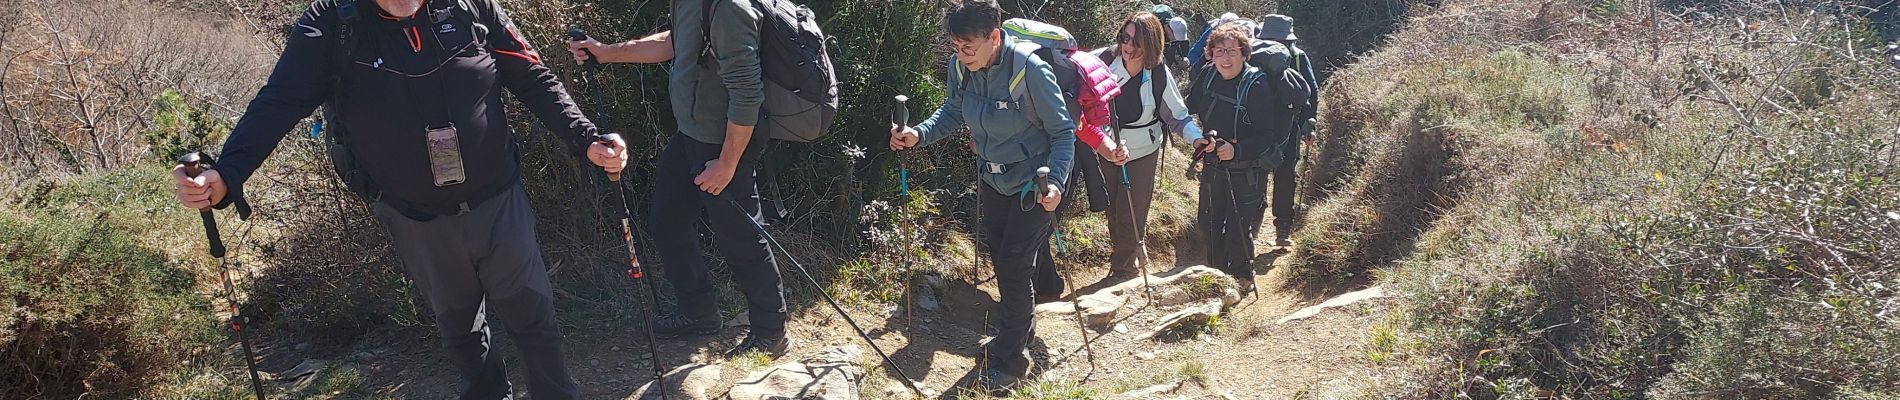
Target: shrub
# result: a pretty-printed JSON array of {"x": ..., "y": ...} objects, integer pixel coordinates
[
  {"x": 85, "y": 307},
  {"x": 1713, "y": 219}
]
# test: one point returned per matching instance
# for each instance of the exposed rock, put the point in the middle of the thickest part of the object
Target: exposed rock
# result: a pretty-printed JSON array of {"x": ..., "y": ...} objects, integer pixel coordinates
[
  {"x": 1191, "y": 316},
  {"x": 305, "y": 368},
  {"x": 1151, "y": 392},
  {"x": 833, "y": 374},
  {"x": 1340, "y": 301},
  {"x": 688, "y": 382},
  {"x": 1185, "y": 286}
]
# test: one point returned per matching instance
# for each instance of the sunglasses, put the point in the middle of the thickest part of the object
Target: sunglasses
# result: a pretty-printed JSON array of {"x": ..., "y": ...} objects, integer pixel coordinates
[{"x": 1123, "y": 38}]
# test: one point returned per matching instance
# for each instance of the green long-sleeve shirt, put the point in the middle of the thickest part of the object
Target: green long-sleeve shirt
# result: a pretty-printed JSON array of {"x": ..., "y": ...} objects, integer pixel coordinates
[{"x": 707, "y": 91}]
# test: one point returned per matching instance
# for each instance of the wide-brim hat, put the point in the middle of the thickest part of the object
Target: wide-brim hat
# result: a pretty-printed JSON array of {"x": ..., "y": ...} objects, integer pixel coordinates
[{"x": 1277, "y": 27}]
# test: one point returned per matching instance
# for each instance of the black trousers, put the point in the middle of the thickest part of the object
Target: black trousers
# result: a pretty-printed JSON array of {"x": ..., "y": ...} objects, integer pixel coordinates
[
  {"x": 1284, "y": 186},
  {"x": 672, "y": 219},
  {"x": 1048, "y": 279},
  {"x": 1016, "y": 230},
  {"x": 1092, "y": 180},
  {"x": 486, "y": 260},
  {"x": 1232, "y": 201}
]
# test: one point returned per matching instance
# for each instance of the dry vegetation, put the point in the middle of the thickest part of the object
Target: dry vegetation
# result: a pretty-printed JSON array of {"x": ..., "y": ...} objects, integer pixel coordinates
[
  {"x": 1575, "y": 198},
  {"x": 1598, "y": 200}
]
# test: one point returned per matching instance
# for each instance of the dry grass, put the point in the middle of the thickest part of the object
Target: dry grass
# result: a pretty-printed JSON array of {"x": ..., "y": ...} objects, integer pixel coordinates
[{"x": 1588, "y": 199}]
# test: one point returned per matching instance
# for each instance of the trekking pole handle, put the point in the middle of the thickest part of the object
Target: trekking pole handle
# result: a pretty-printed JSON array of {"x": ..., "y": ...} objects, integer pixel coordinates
[
  {"x": 576, "y": 35},
  {"x": 900, "y": 112},
  {"x": 608, "y": 140},
  {"x": 195, "y": 164},
  {"x": 900, "y": 116},
  {"x": 1042, "y": 183}
]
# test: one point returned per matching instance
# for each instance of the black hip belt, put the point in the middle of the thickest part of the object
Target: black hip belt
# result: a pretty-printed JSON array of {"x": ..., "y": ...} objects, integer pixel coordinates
[
  {"x": 425, "y": 213},
  {"x": 1257, "y": 163},
  {"x": 1142, "y": 126}
]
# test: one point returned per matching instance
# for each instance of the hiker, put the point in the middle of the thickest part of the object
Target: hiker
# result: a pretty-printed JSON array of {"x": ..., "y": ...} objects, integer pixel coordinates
[
  {"x": 418, "y": 128},
  {"x": 1279, "y": 29},
  {"x": 1015, "y": 136},
  {"x": 1086, "y": 88},
  {"x": 1253, "y": 110},
  {"x": 716, "y": 91},
  {"x": 1197, "y": 52},
  {"x": 1175, "y": 48},
  {"x": 1149, "y": 108}
]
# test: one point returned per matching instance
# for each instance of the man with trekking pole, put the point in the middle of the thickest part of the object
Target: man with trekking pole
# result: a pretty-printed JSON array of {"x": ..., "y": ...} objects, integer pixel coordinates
[
  {"x": 717, "y": 91},
  {"x": 411, "y": 91}
]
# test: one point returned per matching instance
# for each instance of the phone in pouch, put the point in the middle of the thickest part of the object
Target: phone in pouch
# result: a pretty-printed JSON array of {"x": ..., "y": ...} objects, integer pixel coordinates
[{"x": 445, "y": 156}]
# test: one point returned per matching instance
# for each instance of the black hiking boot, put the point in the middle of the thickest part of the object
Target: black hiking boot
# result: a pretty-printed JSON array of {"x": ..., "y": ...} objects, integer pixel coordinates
[
  {"x": 1048, "y": 296},
  {"x": 676, "y": 324},
  {"x": 773, "y": 346},
  {"x": 999, "y": 380}
]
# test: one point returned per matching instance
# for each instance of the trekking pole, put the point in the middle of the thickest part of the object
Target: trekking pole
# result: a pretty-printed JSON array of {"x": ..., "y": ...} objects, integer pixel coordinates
[
  {"x": 1042, "y": 188},
  {"x": 196, "y": 163},
  {"x": 821, "y": 290},
  {"x": 636, "y": 272},
  {"x": 587, "y": 75},
  {"x": 900, "y": 116},
  {"x": 626, "y": 221},
  {"x": 1195, "y": 164},
  {"x": 1141, "y": 234},
  {"x": 1233, "y": 201}
]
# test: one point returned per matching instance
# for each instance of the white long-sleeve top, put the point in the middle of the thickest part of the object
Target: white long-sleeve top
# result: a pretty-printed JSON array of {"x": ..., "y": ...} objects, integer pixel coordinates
[{"x": 1144, "y": 134}]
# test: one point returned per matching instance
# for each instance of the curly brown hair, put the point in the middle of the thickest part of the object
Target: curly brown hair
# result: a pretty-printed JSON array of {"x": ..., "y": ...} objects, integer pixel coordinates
[{"x": 1224, "y": 34}]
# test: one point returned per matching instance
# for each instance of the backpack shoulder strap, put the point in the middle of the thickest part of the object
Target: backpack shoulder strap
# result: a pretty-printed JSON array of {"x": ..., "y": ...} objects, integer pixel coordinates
[
  {"x": 1158, "y": 74},
  {"x": 1019, "y": 54},
  {"x": 343, "y": 51},
  {"x": 705, "y": 31},
  {"x": 1248, "y": 78}
]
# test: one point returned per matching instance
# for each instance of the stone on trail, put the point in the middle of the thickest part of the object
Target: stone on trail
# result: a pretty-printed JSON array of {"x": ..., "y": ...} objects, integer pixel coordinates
[
  {"x": 1191, "y": 285},
  {"x": 1191, "y": 316},
  {"x": 694, "y": 381},
  {"x": 305, "y": 368},
  {"x": 1341, "y": 301},
  {"x": 1151, "y": 392},
  {"x": 833, "y": 374}
]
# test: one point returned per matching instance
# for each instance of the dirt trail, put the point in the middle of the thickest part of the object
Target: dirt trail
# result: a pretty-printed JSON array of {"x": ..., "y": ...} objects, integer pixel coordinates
[{"x": 1247, "y": 355}]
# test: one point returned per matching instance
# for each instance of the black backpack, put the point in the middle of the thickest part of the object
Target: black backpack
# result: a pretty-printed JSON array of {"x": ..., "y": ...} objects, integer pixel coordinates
[{"x": 801, "y": 89}]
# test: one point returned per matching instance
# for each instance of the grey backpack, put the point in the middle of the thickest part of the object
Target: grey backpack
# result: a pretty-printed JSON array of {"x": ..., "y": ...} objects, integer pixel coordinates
[{"x": 801, "y": 89}]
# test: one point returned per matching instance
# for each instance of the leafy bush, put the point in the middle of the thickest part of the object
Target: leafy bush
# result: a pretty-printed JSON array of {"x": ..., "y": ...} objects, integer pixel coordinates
[{"x": 86, "y": 308}]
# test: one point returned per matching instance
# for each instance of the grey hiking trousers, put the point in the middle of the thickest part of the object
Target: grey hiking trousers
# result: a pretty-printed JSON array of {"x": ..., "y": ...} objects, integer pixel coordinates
[{"x": 482, "y": 261}]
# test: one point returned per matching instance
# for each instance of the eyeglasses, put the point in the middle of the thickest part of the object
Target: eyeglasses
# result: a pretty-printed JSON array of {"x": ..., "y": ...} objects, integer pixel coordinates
[
  {"x": 1229, "y": 51},
  {"x": 966, "y": 50},
  {"x": 1125, "y": 39}
]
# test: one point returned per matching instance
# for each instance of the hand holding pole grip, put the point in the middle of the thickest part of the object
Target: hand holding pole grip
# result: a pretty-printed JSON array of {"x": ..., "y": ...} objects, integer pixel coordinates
[
  {"x": 195, "y": 164},
  {"x": 576, "y": 35},
  {"x": 608, "y": 140}
]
